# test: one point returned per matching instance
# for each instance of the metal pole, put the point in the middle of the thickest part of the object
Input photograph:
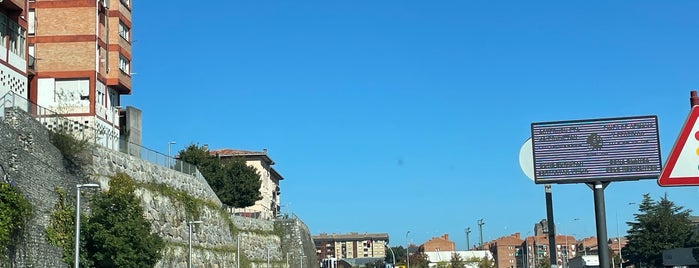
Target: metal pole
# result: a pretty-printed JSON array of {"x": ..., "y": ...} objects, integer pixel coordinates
[
  {"x": 169, "y": 155},
  {"x": 238, "y": 254},
  {"x": 189, "y": 258},
  {"x": 77, "y": 229},
  {"x": 287, "y": 260},
  {"x": 551, "y": 225},
  {"x": 601, "y": 222},
  {"x": 407, "y": 249},
  {"x": 302, "y": 256},
  {"x": 618, "y": 239},
  {"x": 190, "y": 223},
  {"x": 393, "y": 254},
  {"x": 77, "y": 220},
  {"x": 480, "y": 228},
  {"x": 468, "y": 241},
  {"x": 267, "y": 256}
]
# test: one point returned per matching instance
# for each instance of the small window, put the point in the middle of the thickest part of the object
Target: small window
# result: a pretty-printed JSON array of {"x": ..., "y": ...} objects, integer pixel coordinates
[
  {"x": 124, "y": 31},
  {"x": 127, "y": 3},
  {"x": 124, "y": 65}
]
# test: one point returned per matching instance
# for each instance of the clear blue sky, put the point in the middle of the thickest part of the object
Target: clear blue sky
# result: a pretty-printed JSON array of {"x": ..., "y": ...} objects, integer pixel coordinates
[{"x": 396, "y": 116}]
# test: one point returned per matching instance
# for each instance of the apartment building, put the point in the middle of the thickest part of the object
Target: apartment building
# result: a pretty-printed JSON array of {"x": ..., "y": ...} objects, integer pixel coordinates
[
  {"x": 441, "y": 243},
  {"x": 14, "y": 74},
  {"x": 82, "y": 60},
  {"x": 350, "y": 246},
  {"x": 269, "y": 206},
  {"x": 505, "y": 250}
]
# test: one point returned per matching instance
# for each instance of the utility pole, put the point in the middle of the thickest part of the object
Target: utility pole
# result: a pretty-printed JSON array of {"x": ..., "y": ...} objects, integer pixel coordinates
[
  {"x": 468, "y": 241},
  {"x": 480, "y": 228}
]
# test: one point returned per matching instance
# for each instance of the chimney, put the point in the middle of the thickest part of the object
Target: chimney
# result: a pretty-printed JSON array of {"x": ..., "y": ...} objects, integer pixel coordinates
[{"x": 446, "y": 236}]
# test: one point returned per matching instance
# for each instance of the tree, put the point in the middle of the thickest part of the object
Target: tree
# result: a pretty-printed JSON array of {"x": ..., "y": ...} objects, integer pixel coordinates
[
  {"x": 419, "y": 260},
  {"x": 400, "y": 255},
  {"x": 658, "y": 226},
  {"x": 243, "y": 183},
  {"x": 484, "y": 262},
  {"x": 117, "y": 234},
  {"x": 235, "y": 183},
  {"x": 457, "y": 261}
]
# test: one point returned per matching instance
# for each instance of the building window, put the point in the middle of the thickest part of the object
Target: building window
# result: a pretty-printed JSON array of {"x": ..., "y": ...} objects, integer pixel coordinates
[
  {"x": 124, "y": 31},
  {"x": 124, "y": 65},
  {"x": 31, "y": 21},
  {"x": 18, "y": 39},
  {"x": 3, "y": 30},
  {"x": 127, "y": 3}
]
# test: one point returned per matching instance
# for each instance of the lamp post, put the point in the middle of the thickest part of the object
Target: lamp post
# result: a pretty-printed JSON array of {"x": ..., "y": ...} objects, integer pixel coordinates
[
  {"x": 77, "y": 220},
  {"x": 237, "y": 248},
  {"x": 287, "y": 260},
  {"x": 480, "y": 228},
  {"x": 190, "y": 223},
  {"x": 468, "y": 241},
  {"x": 267, "y": 256},
  {"x": 392, "y": 253},
  {"x": 407, "y": 249},
  {"x": 302, "y": 257},
  {"x": 169, "y": 154}
]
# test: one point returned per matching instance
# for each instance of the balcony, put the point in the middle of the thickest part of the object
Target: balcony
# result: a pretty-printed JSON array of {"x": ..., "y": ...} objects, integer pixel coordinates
[
  {"x": 31, "y": 65},
  {"x": 13, "y": 5}
]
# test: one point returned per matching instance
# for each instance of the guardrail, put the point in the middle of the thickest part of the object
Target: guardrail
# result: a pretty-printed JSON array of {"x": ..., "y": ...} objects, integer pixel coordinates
[{"x": 42, "y": 114}]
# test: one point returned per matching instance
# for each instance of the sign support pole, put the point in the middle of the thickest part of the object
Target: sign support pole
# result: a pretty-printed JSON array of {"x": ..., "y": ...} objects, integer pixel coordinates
[
  {"x": 551, "y": 226},
  {"x": 601, "y": 222}
]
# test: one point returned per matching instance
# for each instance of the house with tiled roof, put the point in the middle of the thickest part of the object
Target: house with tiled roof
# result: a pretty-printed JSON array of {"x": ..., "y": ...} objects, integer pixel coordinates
[
  {"x": 269, "y": 206},
  {"x": 505, "y": 250}
]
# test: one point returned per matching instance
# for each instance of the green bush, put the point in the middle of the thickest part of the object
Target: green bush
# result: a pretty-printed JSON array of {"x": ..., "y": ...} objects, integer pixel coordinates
[
  {"x": 15, "y": 212},
  {"x": 70, "y": 146}
]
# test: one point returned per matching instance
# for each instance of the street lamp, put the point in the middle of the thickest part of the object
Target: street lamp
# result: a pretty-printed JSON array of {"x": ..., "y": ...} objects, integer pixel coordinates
[
  {"x": 394, "y": 254},
  {"x": 77, "y": 220},
  {"x": 302, "y": 257},
  {"x": 468, "y": 241},
  {"x": 480, "y": 227},
  {"x": 190, "y": 223},
  {"x": 169, "y": 155},
  {"x": 407, "y": 249}
]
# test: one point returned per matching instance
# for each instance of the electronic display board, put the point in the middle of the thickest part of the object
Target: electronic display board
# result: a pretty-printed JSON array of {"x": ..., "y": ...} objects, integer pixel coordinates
[{"x": 610, "y": 149}]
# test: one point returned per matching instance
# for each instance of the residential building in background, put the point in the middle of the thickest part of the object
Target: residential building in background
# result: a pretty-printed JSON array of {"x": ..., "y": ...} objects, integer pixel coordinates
[
  {"x": 81, "y": 53},
  {"x": 350, "y": 246},
  {"x": 441, "y": 243},
  {"x": 269, "y": 207},
  {"x": 505, "y": 250},
  {"x": 14, "y": 58}
]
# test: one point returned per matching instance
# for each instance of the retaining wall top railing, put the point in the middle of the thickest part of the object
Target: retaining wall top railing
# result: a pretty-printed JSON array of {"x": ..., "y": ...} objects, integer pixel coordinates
[{"x": 42, "y": 114}]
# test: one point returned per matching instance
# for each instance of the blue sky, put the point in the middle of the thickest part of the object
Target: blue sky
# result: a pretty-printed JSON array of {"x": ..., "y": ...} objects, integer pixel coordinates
[{"x": 396, "y": 116}]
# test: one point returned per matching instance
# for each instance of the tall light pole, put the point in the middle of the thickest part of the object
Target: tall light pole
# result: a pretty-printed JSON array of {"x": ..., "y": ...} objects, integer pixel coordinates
[
  {"x": 267, "y": 256},
  {"x": 480, "y": 228},
  {"x": 77, "y": 220},
  {"x": 302, "y": 257},
  {"x": 238, "y": 254},
  {"x": 287, "y": 261},
  {"x": 407, "y": 249},
  {"x": 392, "y": 253},
  {"x": 468, "y": 241},
  {"x": 190, "y": 223},
  {"x": 169, "y": 154}
]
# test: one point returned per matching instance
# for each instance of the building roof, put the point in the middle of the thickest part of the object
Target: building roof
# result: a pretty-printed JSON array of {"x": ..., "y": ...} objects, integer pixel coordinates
[
  {"x": 248, "y": 155},
  {"x": 350, "y": 237}
]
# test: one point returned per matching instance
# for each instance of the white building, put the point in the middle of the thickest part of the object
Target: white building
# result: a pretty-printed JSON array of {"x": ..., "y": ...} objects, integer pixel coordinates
[{"x": 435, "y": 257}]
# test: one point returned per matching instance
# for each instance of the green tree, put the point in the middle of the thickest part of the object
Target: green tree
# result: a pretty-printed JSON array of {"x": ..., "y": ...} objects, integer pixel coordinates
[
  {"x": 15, "y": 212},
  {"x": 484, "y": 262},
  {"x": 419, "y": 260},
  {"x": 117, "y": 234},
  {"x": 235, "y": 183},
  {"x": 400, "y": 255},
  {"x": 457, "y": 261},
  {"x": 658, "y": 226},
  {"x": 242, "y": 183}
]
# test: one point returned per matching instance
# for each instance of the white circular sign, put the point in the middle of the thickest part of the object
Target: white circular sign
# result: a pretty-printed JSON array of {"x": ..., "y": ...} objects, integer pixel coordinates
[{"x": 526, "y": 159}]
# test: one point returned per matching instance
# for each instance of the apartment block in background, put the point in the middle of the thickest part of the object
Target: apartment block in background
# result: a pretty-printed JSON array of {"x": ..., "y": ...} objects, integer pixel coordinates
[
  {"x": 269, "y": 206},
  {"x": 82, "y": 52},
  {"x": 13, "y": 48},
  {"x": 506, "y": 249},
  {"x": 350, "y": 246},
  {"x": 441, "y": 243}
]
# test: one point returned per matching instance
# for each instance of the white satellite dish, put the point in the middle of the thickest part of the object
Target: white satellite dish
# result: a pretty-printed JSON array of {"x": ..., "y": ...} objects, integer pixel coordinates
[{"x": 526, "y": 159}]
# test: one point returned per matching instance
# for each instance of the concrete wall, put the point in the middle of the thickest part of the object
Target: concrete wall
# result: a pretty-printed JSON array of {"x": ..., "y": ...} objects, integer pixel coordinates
[{"x": 38, "y": 168}]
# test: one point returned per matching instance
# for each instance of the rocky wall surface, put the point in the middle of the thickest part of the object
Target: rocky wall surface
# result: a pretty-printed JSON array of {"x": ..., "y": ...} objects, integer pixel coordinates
[{"x": 37, "y": 168}]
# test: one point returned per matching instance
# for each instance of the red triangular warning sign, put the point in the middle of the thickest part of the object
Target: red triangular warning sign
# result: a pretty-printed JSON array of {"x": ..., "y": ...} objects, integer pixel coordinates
[{"x": 682, "y": 166}]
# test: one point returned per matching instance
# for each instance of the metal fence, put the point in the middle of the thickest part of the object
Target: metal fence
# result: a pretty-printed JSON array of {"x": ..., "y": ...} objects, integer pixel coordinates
[{"x": 54, "y": 120}]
